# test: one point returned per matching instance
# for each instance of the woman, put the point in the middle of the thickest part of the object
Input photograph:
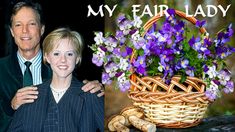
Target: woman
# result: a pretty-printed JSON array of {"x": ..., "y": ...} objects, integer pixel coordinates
[{"x": 61, "y": 105}]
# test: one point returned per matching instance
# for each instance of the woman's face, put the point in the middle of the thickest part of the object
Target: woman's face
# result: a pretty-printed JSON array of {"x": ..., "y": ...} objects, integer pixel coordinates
[
  {"x": 62, "y": 59},
  {"x": 27, "y": 30}
]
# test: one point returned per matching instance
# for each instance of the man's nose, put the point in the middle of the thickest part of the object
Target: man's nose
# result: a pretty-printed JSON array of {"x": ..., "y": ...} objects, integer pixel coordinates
[{"x": 25, "y": 29}]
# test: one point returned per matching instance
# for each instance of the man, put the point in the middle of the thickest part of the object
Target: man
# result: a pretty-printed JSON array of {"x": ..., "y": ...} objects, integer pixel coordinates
[{"x": 27, "y": 27}]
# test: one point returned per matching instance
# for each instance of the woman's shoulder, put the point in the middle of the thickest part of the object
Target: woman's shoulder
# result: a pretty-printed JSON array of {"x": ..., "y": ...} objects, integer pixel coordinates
[
  {"x": 76, "y": 88},
  {"x": 43, "y": 87},
  {"x": 76, "y": 85}
]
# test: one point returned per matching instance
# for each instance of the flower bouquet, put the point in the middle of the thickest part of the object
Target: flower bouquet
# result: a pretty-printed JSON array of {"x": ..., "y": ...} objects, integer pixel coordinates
[{"x": 170, "y": 73}]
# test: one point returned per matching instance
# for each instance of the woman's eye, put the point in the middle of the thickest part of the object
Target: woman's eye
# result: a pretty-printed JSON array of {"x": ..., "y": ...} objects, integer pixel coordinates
[
  {"x": 56, "y": 54},
  {"x": 70, "y": 54}
]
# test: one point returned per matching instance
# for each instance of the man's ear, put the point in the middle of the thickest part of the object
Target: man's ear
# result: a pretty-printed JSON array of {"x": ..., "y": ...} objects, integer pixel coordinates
[
  {"x": 42, "y": 29},
  {"x": 11, "y": 32}
]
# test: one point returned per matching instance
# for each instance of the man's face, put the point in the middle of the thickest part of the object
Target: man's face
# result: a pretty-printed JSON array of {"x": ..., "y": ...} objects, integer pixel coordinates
[{"x": 27, "y": 30}]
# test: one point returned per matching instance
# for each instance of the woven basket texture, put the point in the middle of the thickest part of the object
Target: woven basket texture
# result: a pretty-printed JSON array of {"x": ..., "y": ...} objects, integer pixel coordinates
[{"x": 177, "y": 105}]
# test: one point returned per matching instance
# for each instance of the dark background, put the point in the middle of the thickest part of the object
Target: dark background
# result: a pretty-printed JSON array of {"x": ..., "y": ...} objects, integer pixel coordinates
[{"x": 69, "y": 13}]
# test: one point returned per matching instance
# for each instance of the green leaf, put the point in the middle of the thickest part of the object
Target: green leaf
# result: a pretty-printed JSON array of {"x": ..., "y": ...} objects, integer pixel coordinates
[
  {"x": 93, "y": 47},
  {"x": 141, "y": 52},
  {"x": 183, "y": 78},
  {"x": 186, "y": 46},
  {"x": 228, "y": 113},
  {"x": 108, "y": 34}
]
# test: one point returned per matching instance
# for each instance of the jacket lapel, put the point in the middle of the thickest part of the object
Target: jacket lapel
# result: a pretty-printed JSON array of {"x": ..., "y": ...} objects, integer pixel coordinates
[
  {"x": 46, "y": 72},
  {"x": 74, "y": 98},
  {"x": 15, "y": 68}
]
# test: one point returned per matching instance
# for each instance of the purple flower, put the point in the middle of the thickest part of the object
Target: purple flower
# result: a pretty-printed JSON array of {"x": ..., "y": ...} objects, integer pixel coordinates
[
  {"x": 111, "y": 69},
  {"x": 97, "y": 60},
  {"x": 191, "y": 41},
  {"x": 98, "y": 57},
  {"x": 140, "y": 62},
  {"x": 103, "y": 48},
  {"x": 230, "y": 30},
  {"x": 179, "y": 27},
  {"x": 184, "y": 63},
  {"x": 211, "y": 95},
  {"x": 222, "y": 52},
  {"x": 167, "y": 29},
  {"x": 167, "y": 55},
  {"x": 200, "y": 24},
  {"x": 212, "y": 90},
  {"x": 168, "y": 73},
  {"x": 120, "y": 36},
  {"x": 110, "y": 43},
  {"x": 205, "y": 68},
  {"x": 229, "y": 87},
  {"x": 123, "y": 83},
  {"x": 207, "y": 42},
  {"x": 195, "y": 43},
  {"x": 106, "y": 78},
  {"x": 165, "y": 38},
  {"x": 121, "y": 18},
  {"x": 171, "y": 12},
  {"x": 117, "y": 52},
  {"x": 190, "y": 71},
  {"x": 137, "y": 40},
  {"x": 125, "y": 26},
  {"x": 141, "y": 70},
  {"x": 224, "y": 76},
  {"x": 127, "y": 51}
]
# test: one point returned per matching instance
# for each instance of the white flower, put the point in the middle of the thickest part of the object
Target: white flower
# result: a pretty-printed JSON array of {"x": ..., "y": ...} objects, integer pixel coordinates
[
  {"x": 126, "y": 27},
  {"x": 122, "y": 78},
  {"x": 99, "y": 39},
  {"x": 136, "y": 36},
  {"x": 123, "y": 82},
  {"x": 123, "y": 64},
  {"x": 137, "y": 22},
  {"x": 224, "y": 77},
  {"x": 161, "y": 38},
  {"x": 100, "y": 53},
  {"x": 160, "y": 67},
  {"x": 212, "y": 72},
  {"x": 214, "y": 88},
  {"x": 111, "y": 69},
  {"x": 110, "y": 44}
]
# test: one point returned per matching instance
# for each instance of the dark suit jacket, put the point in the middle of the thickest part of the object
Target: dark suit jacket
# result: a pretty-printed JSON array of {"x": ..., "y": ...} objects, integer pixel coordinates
[
  {"x": 77, "y": 111},
  {"x": 11, "y": 79}
]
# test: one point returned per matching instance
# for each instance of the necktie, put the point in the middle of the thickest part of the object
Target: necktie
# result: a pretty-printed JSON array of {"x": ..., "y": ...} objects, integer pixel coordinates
[{"x": 27, "y": 80}]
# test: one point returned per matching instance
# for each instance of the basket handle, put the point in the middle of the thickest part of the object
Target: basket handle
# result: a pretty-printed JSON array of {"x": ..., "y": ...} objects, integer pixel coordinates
[{"x": 154, "y": 19}]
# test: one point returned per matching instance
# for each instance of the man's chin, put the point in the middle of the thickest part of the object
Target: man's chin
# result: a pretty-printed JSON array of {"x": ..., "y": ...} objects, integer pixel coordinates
[{"x": 29, "y": 49}]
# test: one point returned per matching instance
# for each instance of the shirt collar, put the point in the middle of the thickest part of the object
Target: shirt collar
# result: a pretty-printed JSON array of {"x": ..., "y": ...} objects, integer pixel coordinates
[{"x": 34, "y": 60}]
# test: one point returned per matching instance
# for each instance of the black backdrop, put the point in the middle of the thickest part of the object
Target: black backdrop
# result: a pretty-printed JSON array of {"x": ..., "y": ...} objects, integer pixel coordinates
[{"x": 70, "y": 13}]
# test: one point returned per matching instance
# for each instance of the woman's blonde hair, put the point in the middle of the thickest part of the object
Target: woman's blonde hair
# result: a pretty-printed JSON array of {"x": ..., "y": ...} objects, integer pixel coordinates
[{"x": 52, "y": 38}]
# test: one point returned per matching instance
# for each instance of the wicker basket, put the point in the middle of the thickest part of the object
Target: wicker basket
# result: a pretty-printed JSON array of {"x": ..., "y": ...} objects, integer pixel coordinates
[{"x": 177, "y": 105}]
